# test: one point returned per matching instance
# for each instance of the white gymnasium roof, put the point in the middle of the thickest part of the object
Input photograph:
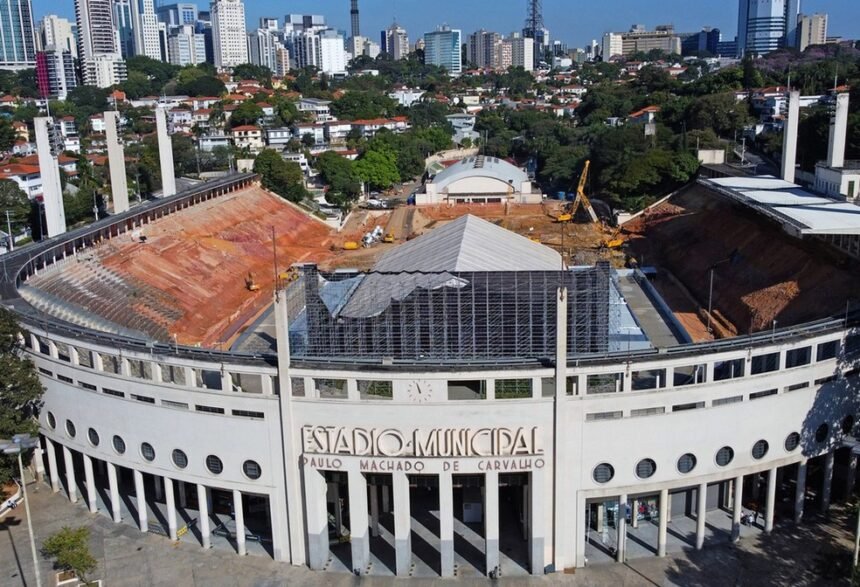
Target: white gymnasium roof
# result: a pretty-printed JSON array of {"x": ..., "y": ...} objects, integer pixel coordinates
[
  {"x": 480, "y": 166},
  {"x": 798, "y": 210}
]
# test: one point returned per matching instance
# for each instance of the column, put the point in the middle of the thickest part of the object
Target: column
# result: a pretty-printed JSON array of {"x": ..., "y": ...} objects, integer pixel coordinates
[
  {"x": 170, "y": 504},
  {"x": 800, "y": 491},
  {"x": 52, "y": 463},
  {"x": 91, "y": 484},
  {"x": 70, "y": 474},
  {"x": 771, "y": 500},
  {"x": 374, "y": 510},
  {"x": 701, "y": 514},
  {"x": 239, "y": 511},
  {"x": 359, "y": 523},
  {"x": 316, "y": 494},
  {"x": 491, "y": 521},
  {"x": 827, "y": 484},
  {"x": 634, "y": 517},
  {"x": 402, "y": 524},
  {"x": 203, "y": 516},
  {"x": 737, "y": 508},
  {"x": 664, "y": 518},
  {"x": 620, "y": 527},
  {"x": 446, "y": 523},
  {"x": 581, "y": 530},
  {"x": 142, "y": 514},
  {"x": 114, "y": 493},
  {"x": 537, "y": 517}
]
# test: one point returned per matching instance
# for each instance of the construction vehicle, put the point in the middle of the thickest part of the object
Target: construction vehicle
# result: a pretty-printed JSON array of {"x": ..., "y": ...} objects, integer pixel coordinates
[
  {"x": 350, "y": 246},
  {"x": 570, "y": 210},
  {"x": 251, "y": 283},
  {"x": 614, "y": 240},
  {"x": 389, "y": 238}
]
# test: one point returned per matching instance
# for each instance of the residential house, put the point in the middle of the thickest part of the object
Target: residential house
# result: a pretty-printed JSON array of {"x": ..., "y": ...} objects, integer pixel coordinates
[{"x": 249, "y": 137}]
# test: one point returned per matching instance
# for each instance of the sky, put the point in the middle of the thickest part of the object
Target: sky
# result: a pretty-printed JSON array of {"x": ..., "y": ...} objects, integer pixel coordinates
[{"x": 575, "y": 23}]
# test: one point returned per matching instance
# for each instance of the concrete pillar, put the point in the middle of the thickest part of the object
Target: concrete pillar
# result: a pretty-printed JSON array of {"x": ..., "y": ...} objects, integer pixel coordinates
[
  {"x": 239, "y": 512},
  {"x": 838, "y": 133},
  {"x": 789, "y": 143},
  {"x": 316, "y": 494},
  {"x": 142, "y": 514},
  {"x": 203, "y": 516},
  {"x": 621, "y": 527},
  {"x": 827, "y": 483},
  {"x": 170, "y": 504},
  {"x": 70, "y": 474},
  {"x": 634, "y": 517},
  {"x": 91, "y": 484},
  {"x": 402, "y": 524},
  {"x": 800, "y": 491},
  {"x": 491, "y": 520},
  {"x": 113, "y": 487},
  {"x": 771, "y": 500},
  {"x": 537, "y": 521},
  {"x": 52, "y": 463},
  {"x": 446, "y": 523},
  {"x": 359, "y": 522},
  {"x": 374, "y": 510},
  {"x": 664, "y": 519},
  {"x": 701, "y": 514},
  {"x": 580, "y": 530},
  {"x": 116, "y": 162},
  {"x": 52, "y": 189},
  {"x": 165, "y": 153},
  {"x": 737, "y": 508}
]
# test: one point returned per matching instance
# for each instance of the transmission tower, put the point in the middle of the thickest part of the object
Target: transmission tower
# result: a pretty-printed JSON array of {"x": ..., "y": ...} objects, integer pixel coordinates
[{"x": 534, "y": 27}]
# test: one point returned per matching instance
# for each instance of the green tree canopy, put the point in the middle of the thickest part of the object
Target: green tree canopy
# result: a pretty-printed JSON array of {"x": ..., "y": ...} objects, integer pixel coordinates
[
  {"x": 249, "y": 71},
  {"x": 339, "y": 174},
  {"x": 378, "y": 169},
  {"x": 70, "y": 549},
  {"x": 284, "y": 178},
  {"x": 205, "y": 85},
  {"x": 246, "y": 113},
  {"x": 363, "y": 105}
]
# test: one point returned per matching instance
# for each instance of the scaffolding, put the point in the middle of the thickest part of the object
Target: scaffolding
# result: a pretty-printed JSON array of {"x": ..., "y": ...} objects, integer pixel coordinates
[{"x": 446, "y": 317}]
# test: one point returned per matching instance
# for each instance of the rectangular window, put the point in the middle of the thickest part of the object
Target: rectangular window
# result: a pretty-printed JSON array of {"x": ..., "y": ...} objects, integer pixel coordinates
[
  {"x": 375, "y": 390},
  {"x": 547, "y": 387},
  {"x": 28, "y": 340},
  {"x": 724, "y": 401},
  {"x": 797, "y": 386},
  {"x": 827, "y": 350},
  {"x": 604, "y": 383},
  {"x": 824, "y": 380},
  {"x": 173, "y": 374},
  {"x": 686, "y": 407},
  {"x": 247, "y": 414},
  {"x": 764, "y": 364},
  {"x": 65, "y": 379},
  {"x": 513, "y": 388},
  {"x": 209, "y": 409},
  {"x": 143, "y": 398},
  {"x": 798, "y": 357},
  {"x": 331, "y": 388},
  {"x": 63, "y": 353},
  {"x": 467, "y": 390},
  {"x": 852, "y": 345},
  {"x": 175, "y": 405},
  {"x": 88, "y": 386},
  {"x": 651, "y": 379},
  {"x": 647, "y": 412},
  {"x": 298, "y": 386},
  {"x": 604, "y": 416},
  {"x": 572, "y": 383},
  {"x": 45, "y": 372},
  {"x": 112, "y": 392},
  {"x": 761, "y": 394},
  {"x": 85, "y": 358},
  {"x": 724, "y": 370},
  {"x": 689, "y": 375}
]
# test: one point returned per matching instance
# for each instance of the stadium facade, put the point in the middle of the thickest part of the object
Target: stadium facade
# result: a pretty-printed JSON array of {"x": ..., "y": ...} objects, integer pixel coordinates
[{"x": 453, "y": 410}]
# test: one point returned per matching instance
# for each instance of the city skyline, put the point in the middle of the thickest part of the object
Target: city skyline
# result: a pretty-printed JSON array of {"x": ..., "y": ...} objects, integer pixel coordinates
[{"x": 564, "y": 24}]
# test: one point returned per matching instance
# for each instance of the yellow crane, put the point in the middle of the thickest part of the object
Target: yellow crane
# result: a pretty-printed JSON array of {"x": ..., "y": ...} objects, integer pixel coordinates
[{"x": 571, "y": 209}]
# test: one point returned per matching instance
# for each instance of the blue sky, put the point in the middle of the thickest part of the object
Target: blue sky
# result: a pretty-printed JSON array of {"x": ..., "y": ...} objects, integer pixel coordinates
[{"x": 573, "y": 22}]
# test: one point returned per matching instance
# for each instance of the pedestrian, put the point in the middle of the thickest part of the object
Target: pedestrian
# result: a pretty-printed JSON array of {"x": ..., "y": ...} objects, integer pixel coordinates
[{"x": 755, "y": 516}]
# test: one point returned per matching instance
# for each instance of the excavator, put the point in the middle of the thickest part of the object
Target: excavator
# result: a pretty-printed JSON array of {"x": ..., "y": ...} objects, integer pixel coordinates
[{"x": 570, "y": 209}]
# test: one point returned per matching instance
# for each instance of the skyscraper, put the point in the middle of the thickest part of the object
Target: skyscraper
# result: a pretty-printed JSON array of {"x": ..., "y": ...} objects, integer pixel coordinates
[
  {"x": 18, "y": 38},
  {"x": 229, "y": 38},
  {"x": 55, "y": 73},
  {"x": 353, "y": 15},
  {"x": 766, "y": 25},
  {"x": 442, "y": 48},
  {"x": 56, "y": 32},
  {"x": 481, "y": 48},
  {"x": 146, "y": 40},
  {"x": 395, "y": 41},
  {"x": 100, "y": 56},
  {"x": 177, "y": 14},
  {"x": 811, "y": 30}
]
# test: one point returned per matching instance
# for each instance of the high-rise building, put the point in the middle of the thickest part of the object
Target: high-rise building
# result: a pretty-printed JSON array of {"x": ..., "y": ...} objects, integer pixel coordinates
[
  {"x": 263, "y": 45},
  {"x": 299, "y": 23},
  {"x": 146, "y": 41},
  {"x": 811, "y": 30},
  {"x": 124, "y": 23},
  {"x": 17, "y": 35},
  {"x": 522, "y": 52},
  {"x": 442, "y": 49},
  {"x": 282, "y": 61},
  {"x": 332, "y": 53},
  {"x": 766, "y": 25},
  {"x": 354, "y": 20},
  {"x": 639, "y": 40},
  {"x": 55, "y": 73},
  {"x": 481, "y": 48},
  {"x": 185, "y": 46},
  {"x": 101, "y": 61},
  {"x": 229, "y": 38},
  {"x": 534, "y": 29},
  {"x": 58, "y": 33},
  {"x": 177, "y": 14},
  {"x": 706, "y": 40},
  {"x": 395, "y": 42}
]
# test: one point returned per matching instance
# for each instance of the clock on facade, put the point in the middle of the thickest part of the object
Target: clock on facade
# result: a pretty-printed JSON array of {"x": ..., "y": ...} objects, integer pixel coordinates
[{"x": 420, "y": 391}]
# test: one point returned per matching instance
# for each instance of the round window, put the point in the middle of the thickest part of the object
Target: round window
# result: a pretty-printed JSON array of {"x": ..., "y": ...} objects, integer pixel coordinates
[
  {"x": 52, "y": 421},
  {"x": 252, "y": 470},
  {"x": 847, "y": 424},
  {"x": 792, "y": 441},
  {"x": 760, "y": 449},
  {"x": 646, "y": 468},
  {"x": 70, "y": 428},
  {"x": 686, "y": 463},
  {"x": 603, "y": 473},
  {"x": 725, "y": 456},
  {"x": 119, "y": 445},
  {"x": 180, "y": 459},
  {"x": 93, "y": 436},
  {"x": 214, "y": 465},
  {"x": 147, "y": 452},
  {"x": 821, "y": 433}
]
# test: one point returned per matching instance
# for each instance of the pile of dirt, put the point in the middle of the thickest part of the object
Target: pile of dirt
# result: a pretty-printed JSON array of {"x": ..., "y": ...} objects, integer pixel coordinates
[{"x": 761, "y": 274}]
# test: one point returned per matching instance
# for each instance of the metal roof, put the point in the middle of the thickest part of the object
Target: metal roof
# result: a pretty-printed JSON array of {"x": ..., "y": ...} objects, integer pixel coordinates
[
  {"x": 796, "y": 208},
  {"x": 480, "y": 166}
]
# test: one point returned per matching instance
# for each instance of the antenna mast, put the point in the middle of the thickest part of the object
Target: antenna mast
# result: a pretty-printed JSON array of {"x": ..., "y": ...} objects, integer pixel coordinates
[{"x": 534, "y": 27}]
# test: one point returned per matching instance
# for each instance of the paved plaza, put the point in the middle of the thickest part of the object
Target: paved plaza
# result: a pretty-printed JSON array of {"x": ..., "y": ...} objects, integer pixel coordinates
[{"x": 816, "y": 552}]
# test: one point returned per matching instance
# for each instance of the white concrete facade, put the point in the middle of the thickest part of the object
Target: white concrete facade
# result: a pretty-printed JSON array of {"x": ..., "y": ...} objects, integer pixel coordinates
[{"x": 116, "y": 162}]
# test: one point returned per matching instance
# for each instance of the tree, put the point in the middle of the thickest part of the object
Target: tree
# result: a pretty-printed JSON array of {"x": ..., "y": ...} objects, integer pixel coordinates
[
  {"x": 363, "y": 105},
  {"x": 249, "y": 71},
  {"x": 339, "y": 174},
  {"x": 20, "y": 392},
  {"x": 14, "y": 201},
  {"x": 285, "y": 178},
  {"x": 70, "y": 550},
  {"x": 378, "y": 169},
  {"x": 205, "y": 85},
  {"x": 7, "y": 135},
  {"x": 246, "y": 113}
]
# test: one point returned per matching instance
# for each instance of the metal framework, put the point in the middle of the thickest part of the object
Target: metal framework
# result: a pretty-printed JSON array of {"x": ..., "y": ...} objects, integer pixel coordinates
[
  {"x": 447, "y": 317},
  {"x": 534, "y": 25}
]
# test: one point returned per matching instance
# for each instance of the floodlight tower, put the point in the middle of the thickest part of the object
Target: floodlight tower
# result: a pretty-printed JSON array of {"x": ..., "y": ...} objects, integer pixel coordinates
[
  {"x": 534, "y": 28},
  {"x": 353, "y": 14}
]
